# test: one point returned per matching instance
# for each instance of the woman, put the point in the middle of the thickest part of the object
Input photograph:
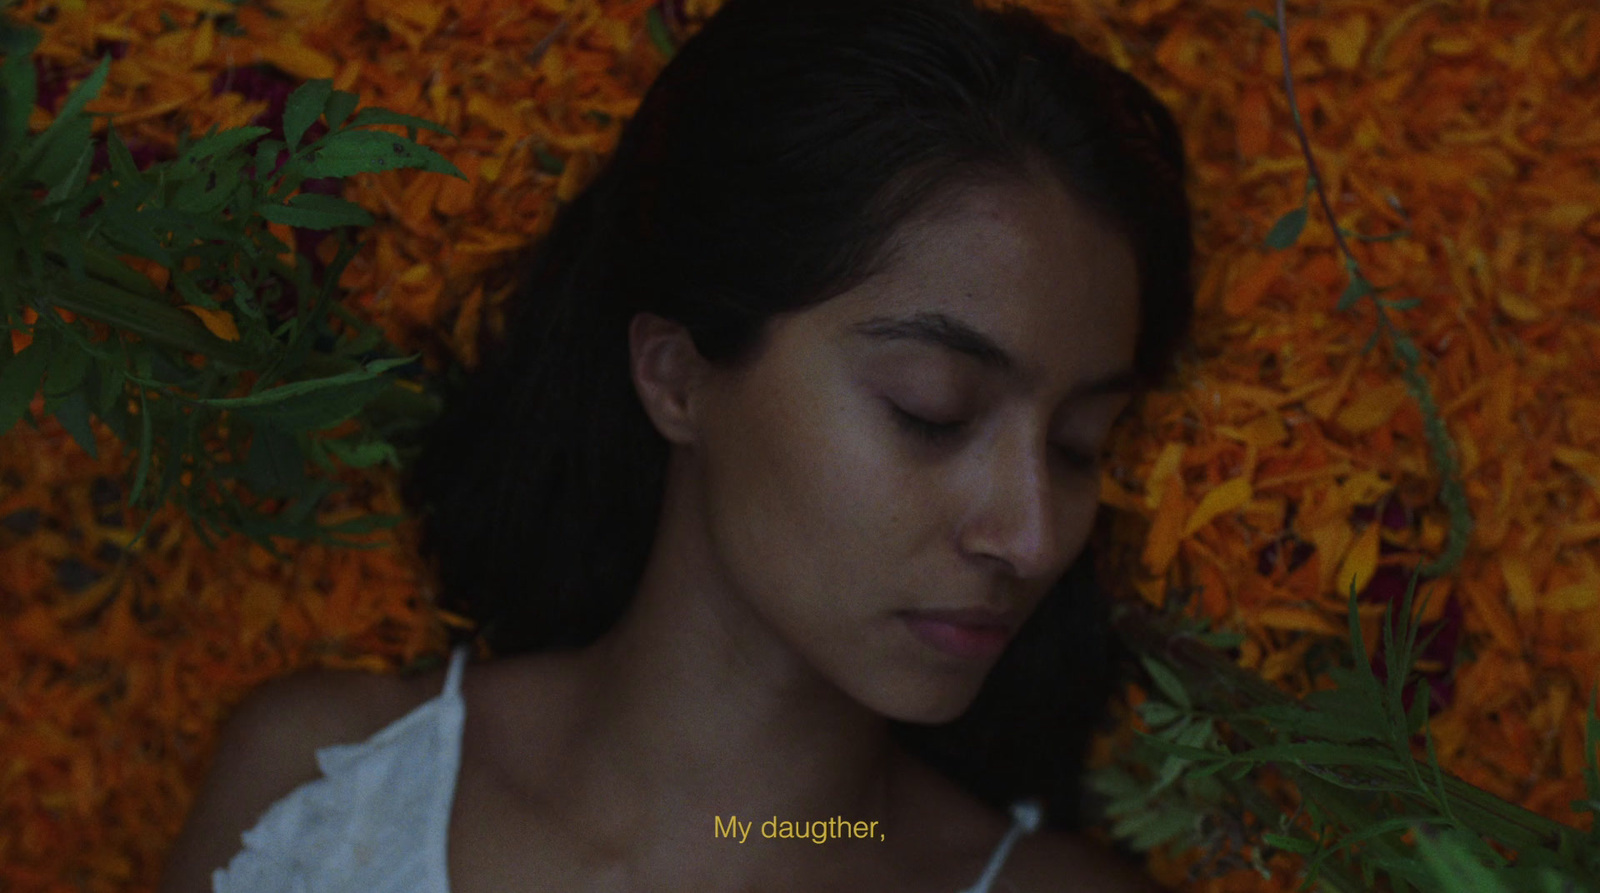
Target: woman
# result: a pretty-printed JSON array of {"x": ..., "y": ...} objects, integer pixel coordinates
[{"x": 773, "y": 500}]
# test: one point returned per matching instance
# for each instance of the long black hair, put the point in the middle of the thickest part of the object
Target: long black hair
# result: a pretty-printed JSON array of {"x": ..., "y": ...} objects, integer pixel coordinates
[{"x": 766, "y": 170}]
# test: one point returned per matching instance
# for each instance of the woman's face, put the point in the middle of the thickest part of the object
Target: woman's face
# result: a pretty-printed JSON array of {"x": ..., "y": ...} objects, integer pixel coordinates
[{"x": 896, "y": 557}]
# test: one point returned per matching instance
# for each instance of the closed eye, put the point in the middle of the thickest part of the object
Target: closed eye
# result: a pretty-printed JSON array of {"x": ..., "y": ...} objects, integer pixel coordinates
[
  {"x": 944, "y": 432},
  {"x": 937, "y": 432}
]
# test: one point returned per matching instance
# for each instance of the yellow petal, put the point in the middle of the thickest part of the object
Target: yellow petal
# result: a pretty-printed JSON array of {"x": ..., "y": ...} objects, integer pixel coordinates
[
  {"x": 1518, "y": 307},
  {"x": 298, "y": 60},
  {"x": 1224, "y": 497},
  {"x": 1359, "y": 564},
  {"x": 1363, "y": 487},
  {"x": 574, "y": 176},
  {"x": 212, "y": 6},
  {"x": 1580, "y": 596},
  {"x": 1452, "y": 45},
  {"x": 1373, "y": 408},
  {"x": 1166, "y": 466},
  {"x": 1519, "y": 581},
  {"x": 1584, "y": 463},
  {"x": 1297, "y": 619},
  {"x": 219, "y": 322},
  {"x": 1161, "y": 543},
  {"x": 1346, "y": 41},
  {"x": 205, "y": 41}
]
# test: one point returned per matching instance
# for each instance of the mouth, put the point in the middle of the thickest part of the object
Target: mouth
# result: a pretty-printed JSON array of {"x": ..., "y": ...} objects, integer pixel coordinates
[{"x": 972, "y": 634}]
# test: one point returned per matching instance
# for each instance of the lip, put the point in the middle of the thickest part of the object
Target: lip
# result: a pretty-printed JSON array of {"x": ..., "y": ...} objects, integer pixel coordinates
[{"x": 975, "y": 634}]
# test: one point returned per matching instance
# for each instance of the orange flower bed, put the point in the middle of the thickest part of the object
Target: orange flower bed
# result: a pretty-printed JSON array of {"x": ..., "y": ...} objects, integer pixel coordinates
[{"x": 1292, "y": 466}]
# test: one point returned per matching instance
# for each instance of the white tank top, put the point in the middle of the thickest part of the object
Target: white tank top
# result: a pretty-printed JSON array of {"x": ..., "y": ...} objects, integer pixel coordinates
[{"x": 375, "y": 824}]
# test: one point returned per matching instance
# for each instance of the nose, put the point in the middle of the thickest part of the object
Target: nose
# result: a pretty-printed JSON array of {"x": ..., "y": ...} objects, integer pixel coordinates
[{"x": 1022, "y": 518}]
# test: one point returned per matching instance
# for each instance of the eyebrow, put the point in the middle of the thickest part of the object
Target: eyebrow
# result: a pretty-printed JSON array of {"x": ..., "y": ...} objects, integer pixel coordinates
[{"x": 950, "y": 333}]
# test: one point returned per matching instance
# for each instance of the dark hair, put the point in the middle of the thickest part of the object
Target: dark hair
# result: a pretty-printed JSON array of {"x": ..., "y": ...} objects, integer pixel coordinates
[{"x": 766, "y": 170}]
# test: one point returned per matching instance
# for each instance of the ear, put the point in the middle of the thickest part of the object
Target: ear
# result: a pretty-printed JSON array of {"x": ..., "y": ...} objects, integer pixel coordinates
[{"x": 667, "y": 374}]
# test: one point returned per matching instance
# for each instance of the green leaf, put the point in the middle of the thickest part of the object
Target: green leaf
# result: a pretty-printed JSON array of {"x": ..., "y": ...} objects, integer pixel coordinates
[
  {"x": 364, "y": 524},
  {"x": 1344, "y": 713},
  {"x": 314, "y": 211},
  {"x": 107, "y": 380},
  {"x": 72, "y": 243},
  {"x": 1265, "y": 19},
  {"x": 68, "y": 127},
  {"x": 1167, "y": 682},
  {"x": 1220, "y": 640},
  {"x": 1291, "y": 844},
  {"x": 117, "y": 419},
  {"x": 146, "y": 439},
  {"x": 1418, "y": 718},
  {"x": 376, "y": 116},
  {"x": 1158, "y": 713},
  {"x": 187, "y": 164},
  {"x": 1207, "y": 757},
  {"x": 1365, "y": 679},
  {"x": 303, "y": 108},
  {"x": 319, "y": 409},
  {"x": 72, "y": 181},
  {"x": 66, "y": 370},
  {"x": 1287, "y": 230},
  {"x": 1170, "y": 770},
  {"x": 266, "y": 157},
  {"x": 1591, "y": 743},
  {"x": 363, "y": 455},
  {"x": 547, "y": 162},
  {"x": 1449, "y": 860},
  {"x": 292, "y": 391},
  {"x": 299, "y": 510},
  {"x": 1403, "y": 304},
  {"x": 72, "y": 412},
  {"x": 370, "y": 151},
  {"x": 1114, "y": 784},
  {"x": 1144, "y": 831},
  {"x": 67, "y": 145},
  {"x": 1195, "y": 735},
  {"x": 20, "y": 379},
  {"x": 123, "y": 167},
  {"x": 18, "y": 87},
  {"x": 1319, "y": 752},
  {"x": 1361, "y": 780},
  {"x": 1358, "y": 288},
  {"x": 339, "y": 107},
  {"x": 203, "y": 196},
  {"x": 275, "y": 466},
  {"x": 656, "y": 27},
  {"x": 315, "y": 404}
]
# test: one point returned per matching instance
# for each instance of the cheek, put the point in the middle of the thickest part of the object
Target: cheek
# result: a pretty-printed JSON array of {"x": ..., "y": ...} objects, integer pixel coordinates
[{"x": 804, "y": 500}]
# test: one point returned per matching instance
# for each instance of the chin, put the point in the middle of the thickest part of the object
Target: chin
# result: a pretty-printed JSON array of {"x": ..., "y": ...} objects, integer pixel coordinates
[{"x": 932, "y": 702}]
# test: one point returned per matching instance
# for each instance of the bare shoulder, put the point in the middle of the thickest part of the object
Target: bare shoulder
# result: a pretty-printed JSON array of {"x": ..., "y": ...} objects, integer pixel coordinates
[
  {"x": 267, "y": 747},
  {"x": 1061, "y": 860}
]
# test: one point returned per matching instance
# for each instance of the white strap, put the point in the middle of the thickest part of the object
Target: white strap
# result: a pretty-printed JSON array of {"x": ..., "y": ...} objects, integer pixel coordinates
[
  {"x": 1027, "y": 815},
  {"x": 458, "y": 663}
]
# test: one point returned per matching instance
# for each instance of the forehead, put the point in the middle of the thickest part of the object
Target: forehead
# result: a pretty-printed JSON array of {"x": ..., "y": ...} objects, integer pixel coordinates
[{"x": 1022, "y": 262}]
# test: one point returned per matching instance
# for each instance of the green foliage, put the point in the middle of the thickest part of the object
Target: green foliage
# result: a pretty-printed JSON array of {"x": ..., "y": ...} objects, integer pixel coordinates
[
  {"x": 656, "y": 27},
  {"x": 1349, "y": 750},
  {"x": 1375, "y": 811},
  {"x": 202, "y": 216}
]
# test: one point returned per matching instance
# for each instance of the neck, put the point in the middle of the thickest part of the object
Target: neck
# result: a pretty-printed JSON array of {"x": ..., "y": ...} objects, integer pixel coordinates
[{"x": 695, "y": 711}]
